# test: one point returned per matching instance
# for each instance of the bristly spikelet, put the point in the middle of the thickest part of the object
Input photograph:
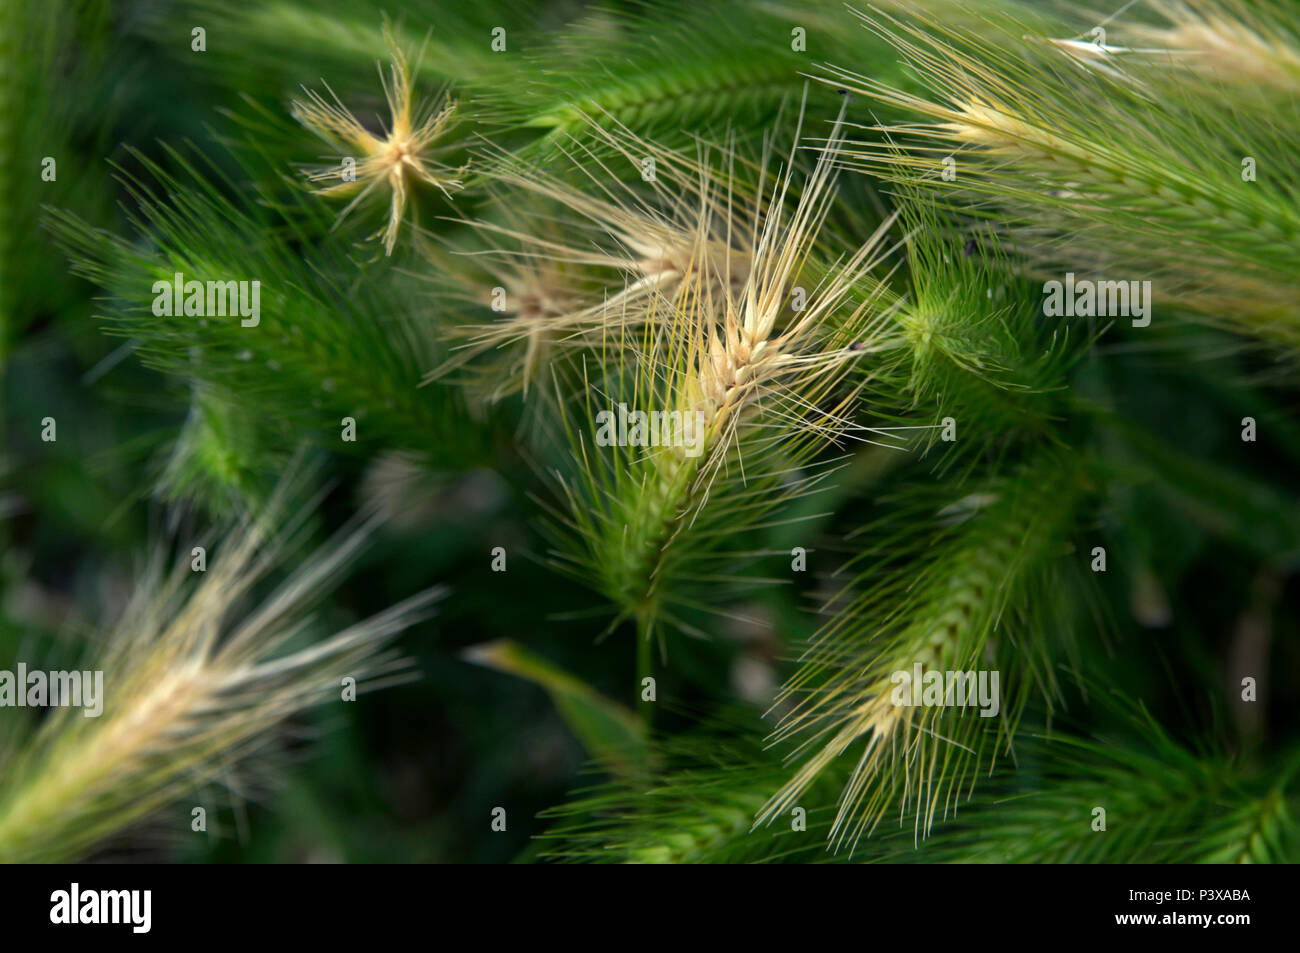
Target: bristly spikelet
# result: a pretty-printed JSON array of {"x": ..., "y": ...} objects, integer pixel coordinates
[
  {"x": 755, "y": 370},
  {"x": 669, "y": 71},
  {"x": 940, "y": 606},
  {"x": 695, "y": 809},
  {"x": 1103, "y": 164},
  {"x": 212, "y": 462},
  {"x": 543, "y": 307},
  {"x": 977, "y": 348},
  {"x": 573, "y": 262},
  {"x": 1177, "y": 806},
  {"x": 404, "y": 155},
  {"x": 193, "y": 684},
  {"x": 1226, "y": 41}
]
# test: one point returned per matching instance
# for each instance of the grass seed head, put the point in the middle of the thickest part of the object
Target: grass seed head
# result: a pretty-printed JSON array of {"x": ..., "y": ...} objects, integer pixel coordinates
[{"x": 400, "y": 157}]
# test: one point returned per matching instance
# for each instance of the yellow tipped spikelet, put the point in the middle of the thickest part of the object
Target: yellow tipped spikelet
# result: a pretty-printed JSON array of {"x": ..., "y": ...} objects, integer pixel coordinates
[
  {"x": 758, "y": 374},
  {"x": 941, "y": 615},
  {"x": 403, "y": 156},
  {"x": 194, "y": 683},
  {"x": 578, "y": 261},
  {"x": 540, "y": 304},
  {"x": 1132, "y": 160},
  {"x": 1226, "y": 41}
]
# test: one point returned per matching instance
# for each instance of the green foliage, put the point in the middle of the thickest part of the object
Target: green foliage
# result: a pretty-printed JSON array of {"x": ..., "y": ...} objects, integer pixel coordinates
[
  {"x": 317, "y": 355},
  {"x": 748, "y": 215},
  {"x": 611, "y": 733}
]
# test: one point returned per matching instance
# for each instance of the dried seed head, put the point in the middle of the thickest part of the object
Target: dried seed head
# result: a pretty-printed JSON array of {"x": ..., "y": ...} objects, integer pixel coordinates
[
  {"x": 401, "y": 157},
  {"x": 191, "y": 686}
]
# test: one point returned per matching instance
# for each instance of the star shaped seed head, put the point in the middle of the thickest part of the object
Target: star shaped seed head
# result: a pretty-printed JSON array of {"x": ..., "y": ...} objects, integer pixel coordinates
[{"x": 403, "y": 155}]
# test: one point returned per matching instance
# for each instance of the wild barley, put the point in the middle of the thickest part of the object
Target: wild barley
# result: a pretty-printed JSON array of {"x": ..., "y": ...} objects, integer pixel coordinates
[
  {"x": 1174, "y": 806},
  {"x": 945, "y": 618},
  {"x": 535, "y": 301},
  {"x": 193, "y": 687},
  {"x": 696, "y": 809},
  {"x": 759, "y": 376},
  {"x": 1226, "y": 41},
  {"x": 1094, "y": 168},
  {"x": 577, "y": 260}
]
